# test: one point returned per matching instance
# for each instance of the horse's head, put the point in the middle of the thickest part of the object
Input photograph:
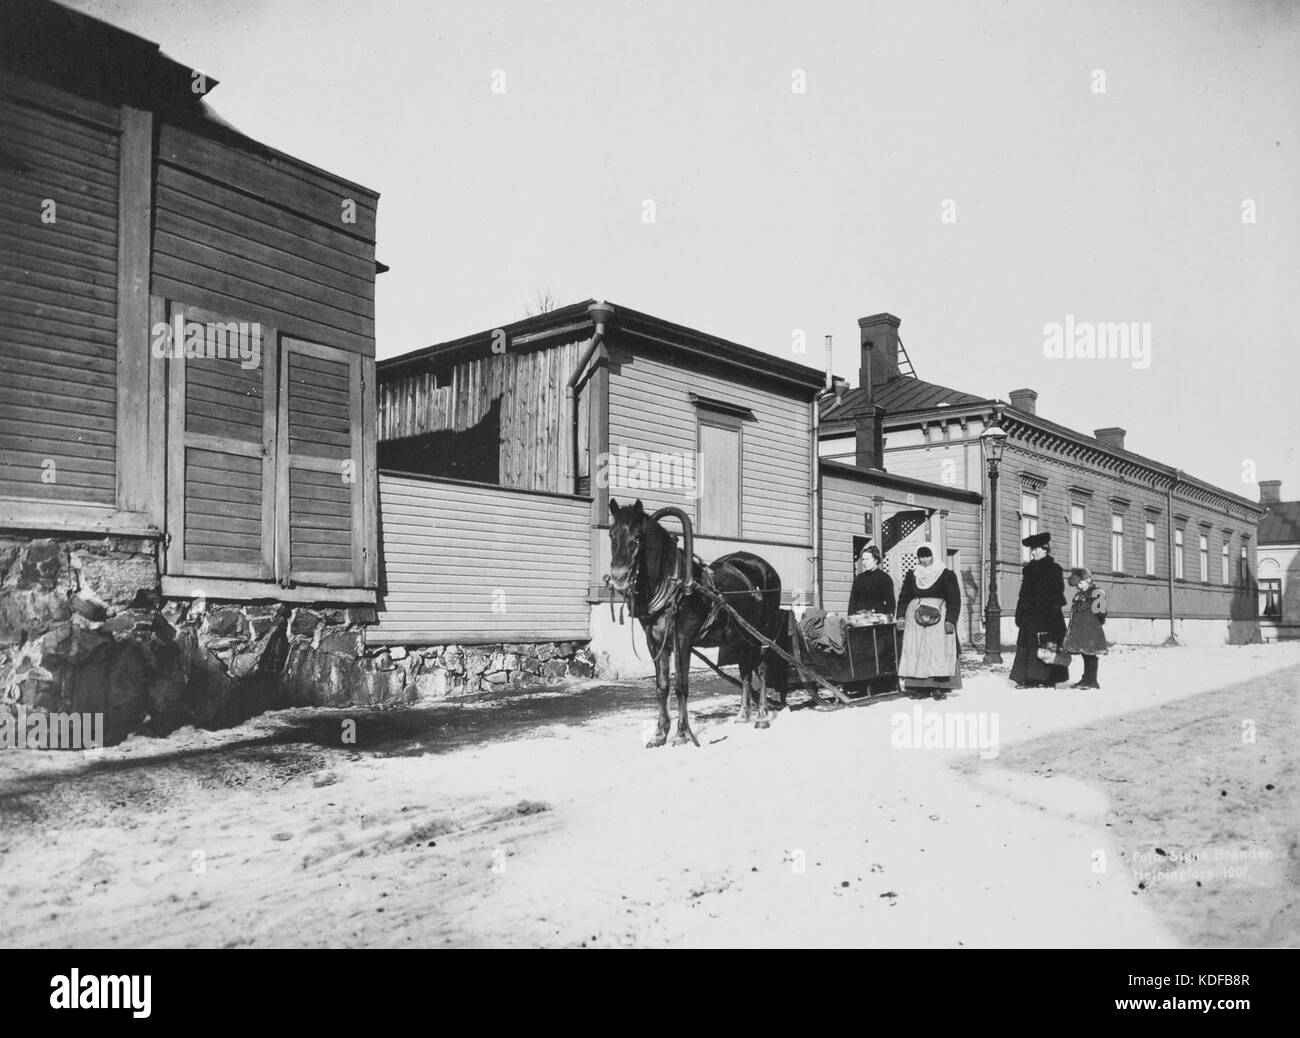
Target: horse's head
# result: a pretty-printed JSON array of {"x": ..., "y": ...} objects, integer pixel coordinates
[{"x": 626, "y": 533}]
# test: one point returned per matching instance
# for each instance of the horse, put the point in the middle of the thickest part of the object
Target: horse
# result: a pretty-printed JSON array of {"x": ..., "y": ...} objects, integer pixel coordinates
[{"x": 644, "y": 569}]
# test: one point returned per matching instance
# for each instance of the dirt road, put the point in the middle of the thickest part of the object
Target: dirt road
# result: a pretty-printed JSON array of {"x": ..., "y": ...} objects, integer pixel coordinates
[{"x": 542, "y": 820}]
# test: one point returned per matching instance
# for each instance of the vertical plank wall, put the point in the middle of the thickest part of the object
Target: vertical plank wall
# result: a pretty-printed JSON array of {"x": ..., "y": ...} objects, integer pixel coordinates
[{"x": 536, "y": 444}]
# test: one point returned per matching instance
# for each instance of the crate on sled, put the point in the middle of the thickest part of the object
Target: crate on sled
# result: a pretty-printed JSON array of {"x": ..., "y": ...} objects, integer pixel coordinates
[{"x": 867, "y": 667}]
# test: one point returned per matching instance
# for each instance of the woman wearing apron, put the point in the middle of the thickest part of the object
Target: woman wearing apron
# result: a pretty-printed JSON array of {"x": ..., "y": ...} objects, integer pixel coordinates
[{"x": 928, "y": 605}]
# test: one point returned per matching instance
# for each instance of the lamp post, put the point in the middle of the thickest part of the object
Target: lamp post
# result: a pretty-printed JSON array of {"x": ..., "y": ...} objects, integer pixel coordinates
[{"x": 994, "y": 440}]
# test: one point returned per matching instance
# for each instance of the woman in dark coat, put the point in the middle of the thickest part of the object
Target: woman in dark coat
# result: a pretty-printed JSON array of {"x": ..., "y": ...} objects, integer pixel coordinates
[
  {"x": 1038, "y": 611},
  {"x": 873, "y": 592},
  {"x": 1087, "y": 614},
  {"x": 930, "y": 661},
  {"x": 873, "y": 588}
]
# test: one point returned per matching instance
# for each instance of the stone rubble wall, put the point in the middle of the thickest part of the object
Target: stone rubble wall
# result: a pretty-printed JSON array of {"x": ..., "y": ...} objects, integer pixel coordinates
[{"x": 84, "y": 629}]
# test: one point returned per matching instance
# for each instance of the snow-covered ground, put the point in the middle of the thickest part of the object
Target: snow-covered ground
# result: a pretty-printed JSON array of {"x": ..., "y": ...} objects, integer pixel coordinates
[{"x": 543, "y": 820}]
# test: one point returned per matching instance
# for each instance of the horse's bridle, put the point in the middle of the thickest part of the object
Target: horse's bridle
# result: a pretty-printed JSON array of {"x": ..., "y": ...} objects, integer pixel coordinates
[{"x": 664, "y": 595}]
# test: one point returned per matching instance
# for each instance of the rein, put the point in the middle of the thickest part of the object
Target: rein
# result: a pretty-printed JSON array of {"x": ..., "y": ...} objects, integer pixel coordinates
[{"x": 665, "y": 597}]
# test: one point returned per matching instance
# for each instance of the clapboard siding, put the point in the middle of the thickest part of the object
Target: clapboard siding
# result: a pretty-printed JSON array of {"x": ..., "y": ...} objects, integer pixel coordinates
[
  {"x": 650, "y": 411},
  {"x": 253, "y": 233},
  {"x": 462, "y": 562},
  {"x": 1136, "y": 594},
  {"x": 58, "y": 300},
  {"x": 535, "y": 437},
  {"x": 845, "y": 500}
]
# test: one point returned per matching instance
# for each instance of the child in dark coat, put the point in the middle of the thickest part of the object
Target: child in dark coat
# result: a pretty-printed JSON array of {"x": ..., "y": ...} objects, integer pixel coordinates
[{"x": 1085, "y": 635}]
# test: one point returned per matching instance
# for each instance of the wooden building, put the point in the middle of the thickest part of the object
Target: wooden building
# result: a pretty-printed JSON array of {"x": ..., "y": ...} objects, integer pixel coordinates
[
  {"x": 1175, "y": 553},
  {"x": 657, "y": 411},
  {"x": 186, "y": 332},
  {"x": 147, "y": 245}
]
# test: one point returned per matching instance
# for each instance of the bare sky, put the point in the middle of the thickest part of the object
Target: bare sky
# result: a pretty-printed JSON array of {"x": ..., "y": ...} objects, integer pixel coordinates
[{"x": 777, "y": 210}]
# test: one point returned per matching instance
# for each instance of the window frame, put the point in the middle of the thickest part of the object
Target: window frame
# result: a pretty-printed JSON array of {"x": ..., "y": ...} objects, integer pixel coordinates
[
  {"x": 1078, "y": 535},
  {"x": 1180, "y": 568},
  {"x": 1117, "y": 543},
  {"x": 1028, "y": 519},
  {"x": 1268, "y": 586}
]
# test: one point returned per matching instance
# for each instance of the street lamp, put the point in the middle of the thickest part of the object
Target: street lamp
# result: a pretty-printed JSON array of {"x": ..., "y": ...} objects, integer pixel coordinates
[{"x": 994, "y": 439}]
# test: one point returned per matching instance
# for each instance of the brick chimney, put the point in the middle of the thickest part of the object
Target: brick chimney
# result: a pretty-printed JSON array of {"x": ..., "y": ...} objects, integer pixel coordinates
[
  {"x": 879, "y": 335},
  {"x": 870, "y": 439},
  {"x": 1112, "y": 437},
  {"x": 1024, "y": 400},
  {"x": 1270, "y": 491}
]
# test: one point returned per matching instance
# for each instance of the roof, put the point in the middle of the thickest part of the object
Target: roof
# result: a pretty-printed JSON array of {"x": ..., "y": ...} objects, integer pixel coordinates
[
  {"x": 900, "y": 394},
  {"x": 905, "y": 396},
  {"x": 639, "y": 328},
  {"x": 1280, "y": 524}
]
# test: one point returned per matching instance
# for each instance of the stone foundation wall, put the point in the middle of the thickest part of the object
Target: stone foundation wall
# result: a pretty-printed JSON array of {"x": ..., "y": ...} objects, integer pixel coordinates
[
  {"x": 84, "y": 629},
  {"x": 440, "y": 671}
]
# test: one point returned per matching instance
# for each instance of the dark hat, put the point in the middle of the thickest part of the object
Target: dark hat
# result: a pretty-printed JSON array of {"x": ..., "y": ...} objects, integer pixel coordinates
[
  {"x": 1078, "y": 574},
  {"x": 1037, "y": 540}
]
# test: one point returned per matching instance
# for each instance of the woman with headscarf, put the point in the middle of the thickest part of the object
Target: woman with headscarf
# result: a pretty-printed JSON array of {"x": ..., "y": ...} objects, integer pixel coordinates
[
  {"x": 928, "y": 606},
  {"x": 1039, "y": 616}
]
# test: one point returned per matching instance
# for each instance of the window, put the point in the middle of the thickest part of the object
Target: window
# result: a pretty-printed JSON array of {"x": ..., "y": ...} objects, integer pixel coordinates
[
  {"x": 1178, "y": 554},
  {"x": 1076, "y": 535},
  {"x": 1205, "y": 559},
  {"x": 1270, "y": 598},
  {"x": 1227, "y": 570},
  {"x": 1117, "y": 543},
  {"x": 1150, "y": 553},
  {"x": 718, "y": 474},
  {"x": 266, "y": 457},
  {"x": 1243, "y": 577},
  {"x": 1028, "y": 521}
]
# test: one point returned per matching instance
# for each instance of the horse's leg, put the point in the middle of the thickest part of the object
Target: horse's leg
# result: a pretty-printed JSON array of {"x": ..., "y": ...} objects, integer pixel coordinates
[
  {"x": 760, "y": 679},
  {"x": 746, "y": 669},
  {"x": 683, "y": 651},
  {"x": 655, "y": 642}
]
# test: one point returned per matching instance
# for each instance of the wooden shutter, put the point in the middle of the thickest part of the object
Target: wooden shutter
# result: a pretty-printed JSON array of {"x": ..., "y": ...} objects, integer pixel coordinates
[
  {"x": 321, "y": 487},
  {"x": 221, "y": 460}
]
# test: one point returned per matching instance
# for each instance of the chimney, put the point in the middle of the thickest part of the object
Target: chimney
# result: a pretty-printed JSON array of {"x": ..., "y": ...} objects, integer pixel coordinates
[
  {"x": 1112, "y": 437},
  {"x": 879, "y": 335},
  {"x": 870, "y": 445},
  {"x": 1025, "y": 400},
  {"x": 1270, "y": 491}
]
